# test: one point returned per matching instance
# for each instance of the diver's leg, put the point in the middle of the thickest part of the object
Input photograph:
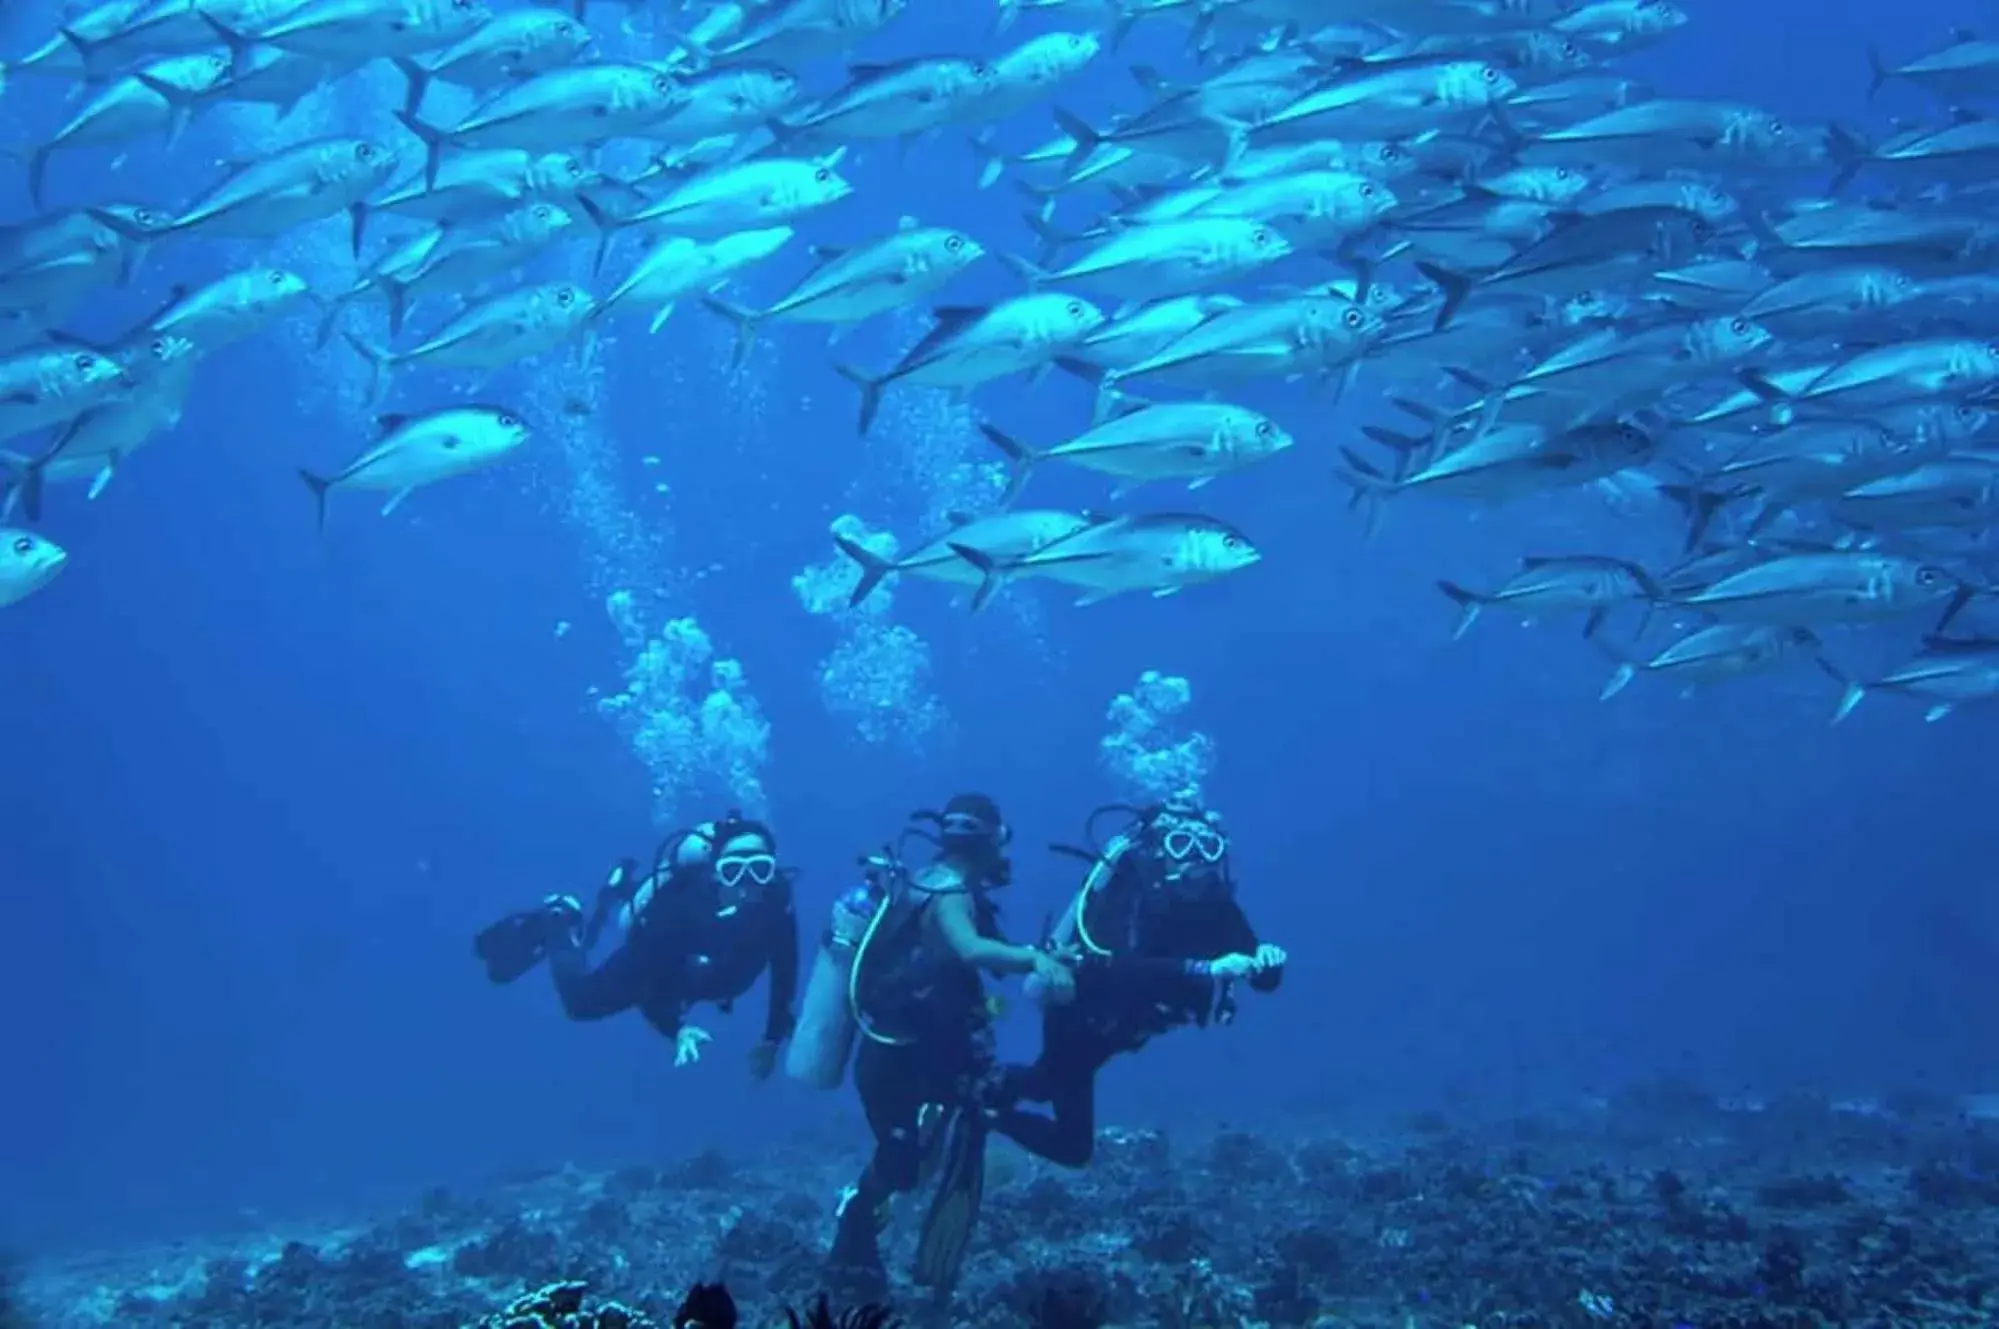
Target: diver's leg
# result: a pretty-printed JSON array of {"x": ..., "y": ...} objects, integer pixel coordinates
[
  {"x": 892, "y": 1103},
  {"x": 1065, "y": 1077}
]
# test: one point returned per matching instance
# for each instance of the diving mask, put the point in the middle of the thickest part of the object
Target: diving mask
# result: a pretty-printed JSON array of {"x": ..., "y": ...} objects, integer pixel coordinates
[
  {"x": 1182, "y": 841},
  {"x": 730, "y": 869}
]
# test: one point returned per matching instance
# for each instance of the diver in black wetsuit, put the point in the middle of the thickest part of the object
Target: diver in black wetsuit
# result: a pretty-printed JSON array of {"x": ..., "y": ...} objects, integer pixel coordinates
[
  {"x": 926, "y": 1061},
  {"x": 1163, "y": 940},
  {"x": 715, "y": 912}
]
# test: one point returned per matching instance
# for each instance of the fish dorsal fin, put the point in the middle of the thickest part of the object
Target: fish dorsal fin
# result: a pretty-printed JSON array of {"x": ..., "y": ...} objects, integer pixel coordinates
[
  {"x": 1964, "y": 34},
  {"x": 827, "y": 253},
  {"x": 390, "y": 422},
  {"x": 907, "y": 223},
  {"x": 866, "y": 69},
  {"x": 957, "y": 518},
  {"x": 951, "y": 317},
  {"x": 1533, "y": 561},
  {"x": 1121, "y": 406}
]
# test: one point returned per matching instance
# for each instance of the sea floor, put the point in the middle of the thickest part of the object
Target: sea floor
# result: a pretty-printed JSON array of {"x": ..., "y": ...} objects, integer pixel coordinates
[{"x": 1659, "y": 1208}]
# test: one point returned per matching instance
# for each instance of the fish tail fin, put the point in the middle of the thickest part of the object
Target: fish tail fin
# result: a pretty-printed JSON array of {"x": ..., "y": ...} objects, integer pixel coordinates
[
  {"x": 1456, "y": 287},
  {"x": 1020, "y": 462},
  {"x": 1849, "y": 155},
  {"x": 329, "y": 320},
  {"x": 871, "y": 392},
  {"x": 1368, "y": 485},
  {"x": 1700, "y": 505},
  {"x": 1087, "y": 139},
  {"x": 746, "y": 327},
  {"x": 239, "y": 43},
  {"x": 432, "y": 139},
  {"x": 1877, "y": 69},
  {"x": 319, "y": 485},
  {"x": 417, "y": 79},
  {"x": 89, "y": 49},
  {"x": 992, "y": 576},
  {"x": 377, "y": 360},
  {"x": 397, "y": 293},
  {"x": 1469, "y": 603},
  {"x": 872, "y": 565},
  {"x": 607, "y": 228},
  {"x": 38, "y": 171}
]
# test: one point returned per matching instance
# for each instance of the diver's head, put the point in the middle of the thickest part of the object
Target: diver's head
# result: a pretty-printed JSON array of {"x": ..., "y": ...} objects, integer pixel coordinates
[
  {"x": 745, "y": 856},
  {"x": 972, "y": 833},
  {"x": 1188, "y": 846},
  {"x": 738, "y": 853}
]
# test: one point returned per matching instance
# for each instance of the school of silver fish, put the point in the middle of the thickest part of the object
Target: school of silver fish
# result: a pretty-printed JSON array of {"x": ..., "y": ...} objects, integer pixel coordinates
[{"x": 1489, "y": 265}]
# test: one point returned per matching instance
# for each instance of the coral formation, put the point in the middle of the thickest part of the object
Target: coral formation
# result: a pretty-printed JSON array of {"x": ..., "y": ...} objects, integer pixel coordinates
[{"x": 1651, "y": 1211}]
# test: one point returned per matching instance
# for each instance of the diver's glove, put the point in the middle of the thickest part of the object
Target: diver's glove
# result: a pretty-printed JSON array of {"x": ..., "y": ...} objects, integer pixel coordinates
[
  {"x": 1269, "y": 957},
  {"x": 563, "y": 915},
  {"x": 1226, "y": 967},
  {"x": 687, "y": 1045}
]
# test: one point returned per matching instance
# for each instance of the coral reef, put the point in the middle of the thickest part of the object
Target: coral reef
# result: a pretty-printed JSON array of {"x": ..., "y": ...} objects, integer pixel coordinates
[{"x": 1661, "y": 1208}]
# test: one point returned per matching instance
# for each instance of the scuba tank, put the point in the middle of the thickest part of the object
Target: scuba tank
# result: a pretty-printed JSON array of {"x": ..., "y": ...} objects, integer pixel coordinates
[
  {"x": 823, "y": 1042},
  {"x": 1073, "y": 927},
  {"x": 830, "y": 1020}
]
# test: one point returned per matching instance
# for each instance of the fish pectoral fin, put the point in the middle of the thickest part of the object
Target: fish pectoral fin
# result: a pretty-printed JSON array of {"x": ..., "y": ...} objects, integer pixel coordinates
[
  {"x": 396, "y": 500},
  {"x": 105, "y": 476}
]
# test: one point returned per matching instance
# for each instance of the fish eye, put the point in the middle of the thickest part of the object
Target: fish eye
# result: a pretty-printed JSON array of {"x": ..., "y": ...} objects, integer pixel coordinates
[
  {"x": 822, "y": 175},
  {"x": 159, "y": 347},
  {"x": 275, "y": 277},
  {"x": 1260, "y": 236},
  {"x": 661, "y": 83},
  {"x": 575, "y": 168},
  {"x": 1075, "y": 308},
  {"x": 566, "y": 296},
  {"x": 508, "y": 421},
  {"x": 1928, "y": 576},
  {"x": 1265, "y": 429},
  {"x": 1490, "y": 74},
  {"x": 84, "y": 361},
  {"x": 364, "y": 151},
  {"x": 25, "y": 545},
  {"x": 1367, "y": 191},
  {"x": 954, "y": 244},
  {"x": 542, "y": 213},
  {"x": 1352, "y": 318},
  {"x": 1739, "y": 326}
]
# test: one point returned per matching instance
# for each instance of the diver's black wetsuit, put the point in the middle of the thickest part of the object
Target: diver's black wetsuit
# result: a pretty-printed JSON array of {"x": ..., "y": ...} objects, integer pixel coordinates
[
  {"x": 1123, "y": 1002},
  {"x": 684, "y": 948},
  {"x": 934, "y": 1005}
]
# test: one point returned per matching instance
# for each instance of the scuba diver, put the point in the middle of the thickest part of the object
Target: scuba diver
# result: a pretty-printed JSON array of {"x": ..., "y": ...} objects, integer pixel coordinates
[
  {"x": 1163, "y": 942},
  {"x": 713, "y": 914},
  {"x": 898, "y": 974}
]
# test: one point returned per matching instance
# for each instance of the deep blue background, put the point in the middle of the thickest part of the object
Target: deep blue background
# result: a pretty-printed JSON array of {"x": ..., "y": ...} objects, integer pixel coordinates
[{"x": 258, "y": 788}]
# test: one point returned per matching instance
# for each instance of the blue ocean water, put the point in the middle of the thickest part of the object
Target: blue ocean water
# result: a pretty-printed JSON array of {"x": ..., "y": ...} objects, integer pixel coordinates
[{"x": 261, "y": 785}]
